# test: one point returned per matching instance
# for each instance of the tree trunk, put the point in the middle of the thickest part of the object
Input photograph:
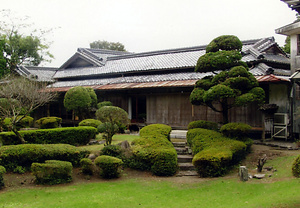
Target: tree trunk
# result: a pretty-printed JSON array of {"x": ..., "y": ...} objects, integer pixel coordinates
[
  {"x": 21, "y": 139},
  {"x": 225, "y": 112},
  {"x": 261, "y": 162}
]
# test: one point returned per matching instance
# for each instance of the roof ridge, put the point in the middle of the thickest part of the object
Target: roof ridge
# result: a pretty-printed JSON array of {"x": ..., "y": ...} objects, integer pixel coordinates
[{"x": 175, "y": 50}]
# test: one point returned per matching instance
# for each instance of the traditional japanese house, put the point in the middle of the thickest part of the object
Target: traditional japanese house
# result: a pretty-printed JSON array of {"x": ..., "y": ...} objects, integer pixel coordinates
[{"x": 154, "y": 87}]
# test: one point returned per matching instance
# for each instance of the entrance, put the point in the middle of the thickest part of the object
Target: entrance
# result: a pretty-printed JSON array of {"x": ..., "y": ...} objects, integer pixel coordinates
[{"x": 138, "y": 109}]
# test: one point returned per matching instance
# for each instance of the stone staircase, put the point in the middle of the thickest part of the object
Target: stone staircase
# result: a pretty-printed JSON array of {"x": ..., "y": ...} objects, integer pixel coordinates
[{"x": 184, "y": 156}]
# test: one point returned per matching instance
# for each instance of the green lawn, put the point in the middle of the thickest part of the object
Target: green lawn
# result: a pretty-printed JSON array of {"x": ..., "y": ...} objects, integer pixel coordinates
[{"x": 140, "y": 193}]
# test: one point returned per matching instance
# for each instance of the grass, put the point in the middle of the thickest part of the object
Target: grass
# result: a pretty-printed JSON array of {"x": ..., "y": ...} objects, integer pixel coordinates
[
  {"x": 149, "y": 193},
  {"x": 117, "y": 138}
]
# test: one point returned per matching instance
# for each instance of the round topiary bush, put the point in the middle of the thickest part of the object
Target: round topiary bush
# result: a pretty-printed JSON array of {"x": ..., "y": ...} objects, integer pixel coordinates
[
  {"x": 90, "y": 122},
  {"x": 104, "y": 103},
  {"x": 112, "y": 150},
  {"x": 49, "y": 122},
  {"x": 87, "y": 166},
  {"x": 296, "y": 167},
  {"x": 203, "y": 124},
  {"x": 236, "y": 130},
  {"x": 110, "y": 167}
]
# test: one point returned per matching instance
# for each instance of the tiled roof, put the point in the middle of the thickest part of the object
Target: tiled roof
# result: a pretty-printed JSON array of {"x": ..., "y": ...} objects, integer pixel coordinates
[
  {"x": 122, "y": 70},
  {"x": 157, "y": 60},
  {"x": 134, "y": 79},
  {"x": 293, "y": 4},
  {"x": 41, "y": 74}
]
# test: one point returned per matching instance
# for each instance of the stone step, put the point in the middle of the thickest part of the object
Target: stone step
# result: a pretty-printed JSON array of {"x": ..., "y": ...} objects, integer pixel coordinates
[
  {"x": 181, "y": 150},
  {"x": 186, "y": 166},
  {"x": 179, "y": 144},
  {"x": 187, "y": 173},
  {"x": 184, "y": 158}
]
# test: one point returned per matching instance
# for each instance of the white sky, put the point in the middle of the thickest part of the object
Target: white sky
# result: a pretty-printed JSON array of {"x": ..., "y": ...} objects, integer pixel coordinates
[{"x": 148, "y": 25}]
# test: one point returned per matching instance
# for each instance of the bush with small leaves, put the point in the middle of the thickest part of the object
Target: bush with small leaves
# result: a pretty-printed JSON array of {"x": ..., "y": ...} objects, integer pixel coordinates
[
  {"x": 52, "y": 172},
  {"x": 296, "y": 167},
  {"x": 90, "y": 122},
  {"x": 49, "y": 122},
  {"x": 2, "y": 171},
  {"x": 87, "y": 166},
  {"x": 104, "y": 103},
  {"x": 110, "y": 167},
  {"x": 203, "y": 124}
]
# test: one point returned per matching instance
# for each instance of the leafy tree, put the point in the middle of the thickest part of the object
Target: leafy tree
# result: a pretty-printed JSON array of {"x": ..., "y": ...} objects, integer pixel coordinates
[
  {"x": 3, "y": 69},
  {"x": 233, "y": 85},
  {"x": 287, "y": 46},
  {"x": 103, "y": 44},
  {"x": 20, "y": 48},
  {"x": 77, "y": 99},
  {"x": 112, "y": 119},
  {"x": 19, "y": 97}
]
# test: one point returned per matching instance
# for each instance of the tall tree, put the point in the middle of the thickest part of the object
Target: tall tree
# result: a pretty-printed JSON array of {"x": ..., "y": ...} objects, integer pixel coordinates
[
  {"x": 232, "y": 85},
  {"x": 19, "y": 97},
  {"x": 103, "y": 44},
  {"x": 19, "y": 48}
]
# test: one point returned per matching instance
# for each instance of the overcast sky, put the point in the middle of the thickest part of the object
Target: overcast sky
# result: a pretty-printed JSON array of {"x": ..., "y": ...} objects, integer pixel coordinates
[{"x": 149, "y": 25}]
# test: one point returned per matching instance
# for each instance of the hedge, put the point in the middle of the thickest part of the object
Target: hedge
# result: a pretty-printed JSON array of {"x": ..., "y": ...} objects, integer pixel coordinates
[
  {"x": 52, "y": 172},
  {"x": 49, "y": 122},
  {"x": 2, "y": 171},
  {"x": 214, "y": 153},
  {"x": 23, "y": 155},
  {"x": 26, "y": 122},
  {"x": 110, "y": 167},
  {"x": 156, "y": 129},
  {"x": 296, "y": 167},
  {"x": 154, "y": 152},
  {"x": 203, "y": 124},
  {"x": 69, "y": 135},
  {"x": 90, "y": 122}
]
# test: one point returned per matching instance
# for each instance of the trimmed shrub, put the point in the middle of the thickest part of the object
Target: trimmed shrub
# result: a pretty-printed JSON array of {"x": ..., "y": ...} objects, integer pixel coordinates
[
  {"x": 296, "y": 167},
  {"x": 104, "y": 103},
  {"x": 203, "y": 124},
  {"x": 236, "y": 130},
  {"x": 112, "y": 150},
  {"x": 154, "y": 152},
  {"x": 212, "y": 162},
  {"x": 214, "y": 153},
  {"x": 69, "y": 135},
  {"x": 26, "y": 122},
  {"x": 12, "y": 156},
  {"x": 110, "y": 167},
  {"x": 49, "y": 122},
  {"x": 2, "y": 171},
  {"x": 90, "y": 122},
  {"x": 156, "y": 129},
  {"x": 52, "y": 172},
  {"x": 87, "y": 166}
]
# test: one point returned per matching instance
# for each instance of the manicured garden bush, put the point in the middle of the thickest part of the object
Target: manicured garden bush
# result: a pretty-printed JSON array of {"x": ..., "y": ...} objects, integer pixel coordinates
[
  {"x": 296, "y": 167},
  {"x": 90, "y": 122},
  {"x": 203, "y": 124},
  {"x": 214, "y": 153},
  {"x": 153, "y": 151},
  {"x": 23, "y": 155},
  {"x": 69, "y": 135},
  {"x": 156, "y": 129},
  {"x": 110, "y": 167},
  {"x": 104, "y": 103},
  {"x": 236, "y": 130},
  {"x": 112, "y": 150},
  {"x": 52, "y": 172},
  {"x": 49, "y": 122},
  {"x": 87, "y": 166},
  {"x": 26, "y": 122},
  {"x": 2, "y": 171}
]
